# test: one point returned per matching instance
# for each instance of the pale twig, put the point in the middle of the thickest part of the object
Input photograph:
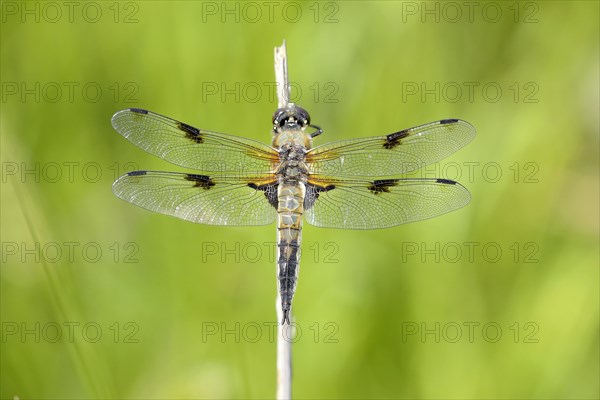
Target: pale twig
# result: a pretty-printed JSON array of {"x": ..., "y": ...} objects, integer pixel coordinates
[
  {"x": 284, "y": 331},
  {"x": 281, "y": 76}
]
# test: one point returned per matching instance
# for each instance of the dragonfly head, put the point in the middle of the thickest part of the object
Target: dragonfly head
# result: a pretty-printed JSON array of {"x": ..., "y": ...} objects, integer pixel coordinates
[{"x": 290, "y": 117}]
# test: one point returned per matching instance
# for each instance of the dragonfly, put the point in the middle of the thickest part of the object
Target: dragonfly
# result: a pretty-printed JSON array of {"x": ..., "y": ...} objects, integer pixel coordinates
[{"x": 346, "y": 184}]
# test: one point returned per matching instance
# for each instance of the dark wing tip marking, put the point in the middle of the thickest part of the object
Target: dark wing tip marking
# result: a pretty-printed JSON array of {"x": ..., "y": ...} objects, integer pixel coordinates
[
  {"x": 446, "y": 181},
  {"x": 138, "y": 110},
  {"x": 136, "y": 173},
  {"x": 448, "y": 121},
  {"x": 190, "y": 132},
  {"x": 393, "y": 139},
  {"x": 202, "y": 181}
]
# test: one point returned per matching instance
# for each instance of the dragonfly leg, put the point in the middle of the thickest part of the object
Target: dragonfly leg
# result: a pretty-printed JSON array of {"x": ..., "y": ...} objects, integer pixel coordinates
[{"x": 317, "y": 132}]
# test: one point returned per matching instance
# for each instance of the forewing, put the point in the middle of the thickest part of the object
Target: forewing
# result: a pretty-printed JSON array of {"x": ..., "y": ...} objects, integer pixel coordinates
[
  {"x": 357, "y": 204},
  {"x": 393, "y": 154},
  {"x": 200, "y": 198},
  {"x": 190, "y": 147}
]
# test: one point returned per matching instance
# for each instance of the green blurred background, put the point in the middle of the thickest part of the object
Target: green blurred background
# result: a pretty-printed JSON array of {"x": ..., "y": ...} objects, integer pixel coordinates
[{"x": 170, "y": 309}]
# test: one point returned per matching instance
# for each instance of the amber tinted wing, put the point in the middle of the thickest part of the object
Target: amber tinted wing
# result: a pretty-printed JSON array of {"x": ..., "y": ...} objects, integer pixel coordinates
[
  {"x": 218, "y": 200},
  {"x": 363, "y": 204},
  {"x": 184, "y": 145},
  {"x": 393, "y": 154}
]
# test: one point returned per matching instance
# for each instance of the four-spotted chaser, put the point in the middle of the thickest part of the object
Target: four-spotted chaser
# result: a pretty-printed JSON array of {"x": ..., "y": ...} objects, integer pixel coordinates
[{"x": 347, "y": 184}]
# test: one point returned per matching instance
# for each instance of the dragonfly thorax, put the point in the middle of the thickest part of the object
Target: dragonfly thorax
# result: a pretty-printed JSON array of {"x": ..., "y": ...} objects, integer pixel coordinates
[{"x": 292, "y": 167}]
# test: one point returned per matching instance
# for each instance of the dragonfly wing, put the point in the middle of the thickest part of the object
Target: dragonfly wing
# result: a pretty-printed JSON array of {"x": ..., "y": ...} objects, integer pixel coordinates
[
  {"x": 362, "y": 204},
  {"x": 190, "y": 147},
  {"x": 202, "y": 199},
  {"x": 393, "y": 154}
]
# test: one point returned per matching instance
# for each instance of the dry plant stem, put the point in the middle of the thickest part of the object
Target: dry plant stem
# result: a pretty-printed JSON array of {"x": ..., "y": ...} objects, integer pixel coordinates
[
  {"x": 284, "y": 347},
  {"x": 281, "y": 76}
]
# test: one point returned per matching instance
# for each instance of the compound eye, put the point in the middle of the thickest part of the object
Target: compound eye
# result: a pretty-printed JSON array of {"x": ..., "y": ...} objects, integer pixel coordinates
[
  {"x": 275, "y": 120},
  {"x": 278, "y": 117},
  {"x": 304, "y": 117}
]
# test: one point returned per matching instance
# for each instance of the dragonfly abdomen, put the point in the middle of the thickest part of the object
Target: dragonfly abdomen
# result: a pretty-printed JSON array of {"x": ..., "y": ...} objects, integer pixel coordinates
[{"x": 289, "y": 237}]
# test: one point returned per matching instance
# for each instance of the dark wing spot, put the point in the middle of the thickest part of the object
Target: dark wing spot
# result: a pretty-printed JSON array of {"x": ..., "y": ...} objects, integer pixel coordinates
[
  {"x": 136, "y": 173},
  {"x": 201, "y": 181},
  {"x": 313, "y": 192},
  {"x": 394, "y": 139},
  {"x": 448, "y": 121},
  {"x": 190, "y": 132},
  {"x": 382, "y": 186},
  {"x": 446, "y": 181},
  {"x": 270, "y": 192},
  {"x": 138, "y": 110}
]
